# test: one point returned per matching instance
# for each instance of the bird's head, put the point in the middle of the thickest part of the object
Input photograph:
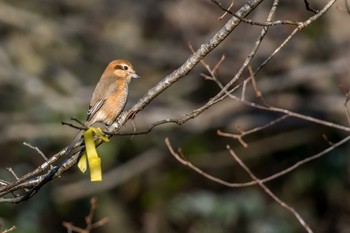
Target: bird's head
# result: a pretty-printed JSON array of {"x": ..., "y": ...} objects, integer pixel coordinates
[{"x": 122, "y": 69}]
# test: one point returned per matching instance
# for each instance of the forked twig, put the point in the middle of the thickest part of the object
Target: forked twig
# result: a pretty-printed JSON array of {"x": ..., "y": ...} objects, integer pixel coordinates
[
  {"x": 90, "y": 225},
  {"x": 242, "y": 133},
  {"x": 266, "y": 179},
  {"x": 269, "y": 192},
  {"x": 179, "y": 157}
]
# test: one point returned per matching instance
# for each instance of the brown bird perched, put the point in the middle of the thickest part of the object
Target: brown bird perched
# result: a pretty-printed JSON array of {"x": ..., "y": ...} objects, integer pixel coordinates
[
  {"x": 110, "y": 95},
  {"x": 111, "y": 92}
]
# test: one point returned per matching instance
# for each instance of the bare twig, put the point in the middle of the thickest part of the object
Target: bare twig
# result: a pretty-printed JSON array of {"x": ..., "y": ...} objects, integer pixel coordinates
[
  {"x": 307, "y": 6},
  {"x": 226, "y": 11},
  {"x": 292, "y": 34},
  {"x": 196, "y": 169},
  {"x": 240, "y": 136},
  {"x": 294, "y": 114},
  {"x": 248, "y": 21},
  {"x": 180, "y": 158},
  {"x": 10, "y": 229},
  {"x": 255, "y": 86},
  {"x": 179, "y": 121},
  {"x": 36, "y": 149},
  {"x": 90, "y": 225},
  {"x": 73, "y": 125},
  {"x": 269, "y": 178},
  {"x": 12, "y": 172},
  {"x": 347, "y": 98},
  {"x": 282, "y": 110},
  {"x": 244, "y": 88},
  {"x": 269, "y": 192}
]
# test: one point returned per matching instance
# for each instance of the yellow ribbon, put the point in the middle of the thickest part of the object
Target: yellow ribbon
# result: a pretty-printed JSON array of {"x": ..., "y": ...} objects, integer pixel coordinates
[{"x": 91, "y": 155}]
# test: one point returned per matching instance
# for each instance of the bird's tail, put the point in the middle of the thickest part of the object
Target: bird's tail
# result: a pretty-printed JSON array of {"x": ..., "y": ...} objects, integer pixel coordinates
[{"x": 77, "y": 141}]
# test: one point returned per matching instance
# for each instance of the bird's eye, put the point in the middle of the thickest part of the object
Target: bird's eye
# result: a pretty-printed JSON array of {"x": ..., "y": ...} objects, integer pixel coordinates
[{"x": 125, "y": 67}]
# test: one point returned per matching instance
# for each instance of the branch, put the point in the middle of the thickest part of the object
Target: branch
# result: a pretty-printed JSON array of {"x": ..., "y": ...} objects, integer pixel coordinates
[
  {"x": 90, "y": 225},
  {"x": 307, "y": 6},
  {"x": 248, "y": 21},
  {"x": 188, "y": 65},
  {"x": 240, "y": 136},
  {"x": 10, "y": 229},
  {"x": 269, "y": 192},
  {"x": 187, "y": 163}
]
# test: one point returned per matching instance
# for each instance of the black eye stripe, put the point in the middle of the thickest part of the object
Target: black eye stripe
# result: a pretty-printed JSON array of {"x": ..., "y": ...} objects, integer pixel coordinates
[{"x": 121, "y": 67}]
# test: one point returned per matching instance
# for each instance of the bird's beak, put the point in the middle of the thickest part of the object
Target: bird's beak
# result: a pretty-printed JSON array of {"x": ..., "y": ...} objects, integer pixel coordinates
[{"x": 135, "y": 75}]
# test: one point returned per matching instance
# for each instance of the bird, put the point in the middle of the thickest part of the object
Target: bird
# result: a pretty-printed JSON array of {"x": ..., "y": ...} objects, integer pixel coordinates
[
  {"x": 110, "y": 95},
  {"x": 107, "y": 102}
]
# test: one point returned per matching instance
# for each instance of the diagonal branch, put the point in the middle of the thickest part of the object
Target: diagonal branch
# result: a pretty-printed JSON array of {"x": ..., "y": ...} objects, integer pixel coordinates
[
  {"x": 269, "y": 178},
  {"x": 269, "y": 192},
  {"x": 188, "y": 65}
]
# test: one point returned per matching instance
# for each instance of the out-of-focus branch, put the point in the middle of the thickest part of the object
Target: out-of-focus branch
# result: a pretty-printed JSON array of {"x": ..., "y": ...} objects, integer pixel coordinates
[
  {"x": 187, "y": 163},
  {"x": 10, "y": 229},
  {"x": 269, "y": 192},
  {"x": 242, "y": 133},
  {"x": 307, "y": 6},
  {"x": 90, "y": 224}
]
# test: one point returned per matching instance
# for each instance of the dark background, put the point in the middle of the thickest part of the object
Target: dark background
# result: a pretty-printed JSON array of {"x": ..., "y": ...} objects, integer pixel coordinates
[{"x": 52, "y": 54}]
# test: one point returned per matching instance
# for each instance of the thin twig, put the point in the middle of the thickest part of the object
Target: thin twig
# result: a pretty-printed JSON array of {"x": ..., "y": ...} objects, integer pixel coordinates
[
  {"x": 248, "y": 21},
  {"x": 269, "y": 192},
  {"x": 255, "y": 86},
  {"x": 307, "y": 6},
  {"x": 73, "y": 125},
  {"x": 10, "y": 229},
  {"x": 36, "y": 149},
  {"x": 240, "y": 136},
  {"x": 12, "y": 172},
  {"x": 292, "y": 34},
  {"x": 283, "y": 110},
  {"x": 90, "y": 225},
  {"x": 71, "y": 228},
  {"x": 196, "y": 169},
  {"x": 347, "y": 98},
  {"x": 226, "y": 11},
  {"x": 244, "y": 88},
  {"x": 269, "y": 178}
]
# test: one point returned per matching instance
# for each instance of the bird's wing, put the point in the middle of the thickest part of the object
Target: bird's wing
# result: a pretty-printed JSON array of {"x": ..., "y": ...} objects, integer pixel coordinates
[
  {"x": 94, "y": 108},
  {"x": 104, "y": 88},
  {"x": 99, "y": 97}
]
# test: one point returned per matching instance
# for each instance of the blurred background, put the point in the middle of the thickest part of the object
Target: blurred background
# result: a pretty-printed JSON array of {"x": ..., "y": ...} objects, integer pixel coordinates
[{"x": 52, "y": 54}]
